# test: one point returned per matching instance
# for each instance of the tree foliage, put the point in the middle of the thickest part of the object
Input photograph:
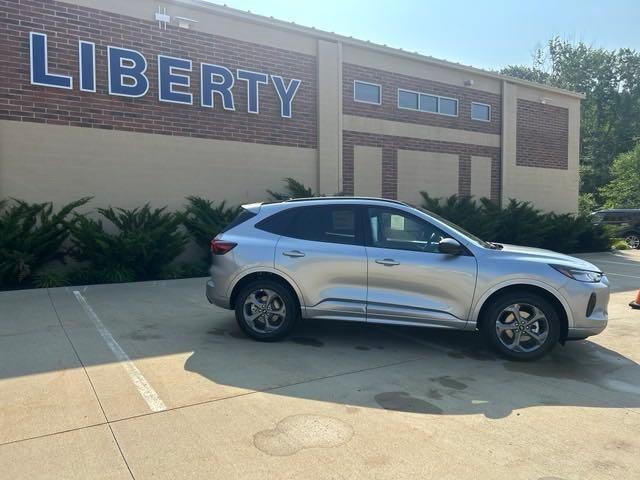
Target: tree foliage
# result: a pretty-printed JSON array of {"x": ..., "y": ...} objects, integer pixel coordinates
[
  {"x": 623, "y": 191},
  {"x": 610, "y": 121}
]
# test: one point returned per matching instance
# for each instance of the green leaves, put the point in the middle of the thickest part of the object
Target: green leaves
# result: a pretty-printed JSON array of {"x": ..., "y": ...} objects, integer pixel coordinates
[
  {"x": 31, "y": 236},
  {"x": 294, "y": 189},
  {"x": 138, "y": 244},
  {"x": 204, "y": 219},
  {"x": 610, "y": 117},
  {"x": 520, "y": 224},
  {"x": 624, "y": 189}
]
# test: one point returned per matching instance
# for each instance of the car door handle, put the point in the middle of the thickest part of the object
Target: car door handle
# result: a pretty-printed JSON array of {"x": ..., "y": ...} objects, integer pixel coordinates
[
  {"x": 387, "y": 262},
  {"x": 293, "y": 253}
]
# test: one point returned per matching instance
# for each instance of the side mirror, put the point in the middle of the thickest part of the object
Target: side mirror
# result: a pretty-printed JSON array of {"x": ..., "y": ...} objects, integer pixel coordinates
[{"x": 449, "y": 246}]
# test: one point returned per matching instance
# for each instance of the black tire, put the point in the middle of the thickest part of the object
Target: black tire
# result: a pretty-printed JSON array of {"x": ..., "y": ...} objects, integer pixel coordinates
[
  {"x": 277, "y": 327},
  {"x": 547, "y": 328}
]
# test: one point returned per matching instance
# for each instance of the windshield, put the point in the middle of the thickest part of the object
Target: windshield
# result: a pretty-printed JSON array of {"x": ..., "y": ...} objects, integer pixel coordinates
[{"x": 467, "y": 234}]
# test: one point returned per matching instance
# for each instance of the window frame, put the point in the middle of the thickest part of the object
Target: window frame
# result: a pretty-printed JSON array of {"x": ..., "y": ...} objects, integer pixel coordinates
[
  {"x": 368, "y": 235},
  {"x": 419, "y": 94},
  {"x": 480, "y": 119},
  {"x": 371, "y": 84}
]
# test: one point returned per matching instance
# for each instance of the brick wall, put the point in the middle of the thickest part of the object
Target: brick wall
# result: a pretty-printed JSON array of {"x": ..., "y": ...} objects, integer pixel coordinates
[
  {"x": 390, "y": 146},
  {"x": 65, "y": 24},
  {"x": 542, "y": 135},
  {"x": 389, "y": 110}
]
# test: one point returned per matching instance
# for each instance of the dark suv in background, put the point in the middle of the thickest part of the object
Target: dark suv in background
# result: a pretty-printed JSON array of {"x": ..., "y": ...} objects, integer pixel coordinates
[{"x": 626, "y": 221}]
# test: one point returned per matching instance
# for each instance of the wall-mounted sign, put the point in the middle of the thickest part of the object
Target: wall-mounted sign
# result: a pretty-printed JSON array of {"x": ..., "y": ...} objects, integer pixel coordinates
[{"x": 126, "y": 77}]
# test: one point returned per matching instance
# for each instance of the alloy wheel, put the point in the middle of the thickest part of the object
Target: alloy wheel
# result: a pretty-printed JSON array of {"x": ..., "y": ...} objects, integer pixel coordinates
[
  {"x": 264, "y": 311},
  {"x": 522, "y": 327},
  {"x": 632, "y": 240}
]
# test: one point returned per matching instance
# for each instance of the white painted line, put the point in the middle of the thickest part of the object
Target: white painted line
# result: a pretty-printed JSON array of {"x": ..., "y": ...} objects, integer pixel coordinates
[{"x": 146, "y": 390}]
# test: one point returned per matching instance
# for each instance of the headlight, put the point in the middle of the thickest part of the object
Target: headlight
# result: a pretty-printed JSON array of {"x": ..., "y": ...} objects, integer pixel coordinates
[{"x": 579, "y": 274}]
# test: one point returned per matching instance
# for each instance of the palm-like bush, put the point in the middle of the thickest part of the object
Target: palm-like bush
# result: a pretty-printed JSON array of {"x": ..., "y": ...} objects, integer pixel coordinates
[
  {"x": 204, "y": 219},
  {"x": 147, "y": 241},
  {"x": 31, "y": 236}
]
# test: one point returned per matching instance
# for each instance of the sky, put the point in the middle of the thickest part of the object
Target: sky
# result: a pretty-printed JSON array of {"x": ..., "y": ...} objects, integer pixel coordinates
[{"x": 486, "y": 34}]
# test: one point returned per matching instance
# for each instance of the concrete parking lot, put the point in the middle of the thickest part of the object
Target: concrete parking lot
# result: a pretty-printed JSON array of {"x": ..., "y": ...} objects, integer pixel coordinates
[{"x": 148, "y": 380}]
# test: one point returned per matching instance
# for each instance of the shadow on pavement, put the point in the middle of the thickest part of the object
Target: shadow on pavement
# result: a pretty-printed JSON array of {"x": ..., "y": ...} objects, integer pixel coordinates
[{"x": 452, "y": 373}]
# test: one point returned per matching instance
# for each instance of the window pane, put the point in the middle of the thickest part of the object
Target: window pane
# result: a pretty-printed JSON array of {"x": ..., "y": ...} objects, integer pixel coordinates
[
  {"x": 448, "y": 106},
  {"x": 429, "y": 103},
  {"x": 333, "y": 224},
  {"x": 365, "y": 92},
  {"x": 480, "y": 112},
  {"x": 278, "y": 223},
  {"x": 398, "y": 230},
  {"x": 407, "y": 99}
]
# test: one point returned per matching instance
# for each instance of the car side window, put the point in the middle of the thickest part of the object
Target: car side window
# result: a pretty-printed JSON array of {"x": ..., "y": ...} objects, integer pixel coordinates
[
  {"x": 327, "y": 223},
  {"x": 278, "y": 223},
  {"x": 391, "y": 228}
]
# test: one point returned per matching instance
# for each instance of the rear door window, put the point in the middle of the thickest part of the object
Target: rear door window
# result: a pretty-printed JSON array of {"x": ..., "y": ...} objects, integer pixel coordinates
[{"x": 327, "y": 223}]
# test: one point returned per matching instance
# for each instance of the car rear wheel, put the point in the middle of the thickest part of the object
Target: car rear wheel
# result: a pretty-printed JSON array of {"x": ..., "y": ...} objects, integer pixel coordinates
[
  {"x": 633, "y": 240},
  {"x": 521, "y": 326},
  {"x": 266, "y": 310}
]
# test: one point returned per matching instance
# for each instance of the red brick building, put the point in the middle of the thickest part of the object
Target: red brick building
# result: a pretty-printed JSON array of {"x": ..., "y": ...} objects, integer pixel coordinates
[{"x": 135, "y": 101}]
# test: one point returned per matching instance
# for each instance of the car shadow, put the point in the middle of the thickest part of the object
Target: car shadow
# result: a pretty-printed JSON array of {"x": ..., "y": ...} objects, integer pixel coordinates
[{"x": 418, "y": 370}]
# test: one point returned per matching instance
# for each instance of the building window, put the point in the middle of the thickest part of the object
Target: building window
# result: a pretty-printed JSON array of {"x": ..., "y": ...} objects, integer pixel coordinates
[
  {"x": 481, "y": 112},
  {"x": 367, "y": 92},
  {"x": 407, "y": 99},
  {"x": 448, "y": 106},
  {"x": 425, "y": 102},
  {"x": 428, "y": 103}
]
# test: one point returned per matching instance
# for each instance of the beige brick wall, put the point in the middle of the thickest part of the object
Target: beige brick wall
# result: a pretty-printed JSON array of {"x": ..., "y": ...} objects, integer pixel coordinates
[
  {"x": 435, "y": 173},
  {"x": 367, "y": 166},
  {"x": 40, "y": 162}
]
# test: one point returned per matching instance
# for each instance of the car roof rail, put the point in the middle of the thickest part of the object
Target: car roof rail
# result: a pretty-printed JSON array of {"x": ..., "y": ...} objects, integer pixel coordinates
[{"x": 377, "y": 199}]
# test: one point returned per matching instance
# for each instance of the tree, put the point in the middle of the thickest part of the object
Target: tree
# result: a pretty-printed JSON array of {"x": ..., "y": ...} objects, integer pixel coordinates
[
  {"x": 610, "y": 123},
  {"x": 623, "y": 191}
]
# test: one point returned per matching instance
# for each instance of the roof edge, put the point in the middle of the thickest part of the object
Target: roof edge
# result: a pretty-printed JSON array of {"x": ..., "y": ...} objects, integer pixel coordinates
[{"x": 334, "y": 37}]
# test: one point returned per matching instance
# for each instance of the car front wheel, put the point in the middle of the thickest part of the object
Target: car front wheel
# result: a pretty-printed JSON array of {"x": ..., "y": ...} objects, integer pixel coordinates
[
  {"x": 521, "y": 326},
  {"x": 266, "y": 310}
]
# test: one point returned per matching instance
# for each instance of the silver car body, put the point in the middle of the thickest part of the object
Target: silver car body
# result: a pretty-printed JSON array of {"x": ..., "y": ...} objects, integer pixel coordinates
[{"x": 368, "y": 284}]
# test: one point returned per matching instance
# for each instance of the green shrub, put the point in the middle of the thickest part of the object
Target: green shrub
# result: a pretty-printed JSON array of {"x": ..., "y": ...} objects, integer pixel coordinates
[
  {"x": 520, "y": 224},
  {"x": 147, "y": 241},
  {"x": 293, "y": 189},
  {"x": 619, "y": 244},
  {"x": 31, "y": 237},
  {"x": 204, "y": 220},
  {"x": 51, "y": 279}
]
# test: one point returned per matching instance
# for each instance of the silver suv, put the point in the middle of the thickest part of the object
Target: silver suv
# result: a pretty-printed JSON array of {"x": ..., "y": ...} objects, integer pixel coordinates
[{"x": 383, "y": 261}]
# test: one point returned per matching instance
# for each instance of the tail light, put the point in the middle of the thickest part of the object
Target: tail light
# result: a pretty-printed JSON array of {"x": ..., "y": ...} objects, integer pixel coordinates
[{"x": 218, "y": 247}]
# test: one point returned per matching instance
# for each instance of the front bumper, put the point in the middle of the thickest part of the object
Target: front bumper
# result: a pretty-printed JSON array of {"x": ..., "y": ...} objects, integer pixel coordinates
[
  {"x": 587, "y": 323},
  {"x": 210, "y": 292}
]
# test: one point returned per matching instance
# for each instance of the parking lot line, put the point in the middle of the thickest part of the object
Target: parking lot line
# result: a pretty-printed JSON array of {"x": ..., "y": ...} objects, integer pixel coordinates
[{"x": 144, "y": 388}]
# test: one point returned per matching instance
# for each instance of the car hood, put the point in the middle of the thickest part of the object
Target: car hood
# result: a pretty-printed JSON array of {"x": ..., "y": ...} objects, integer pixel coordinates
[{"x": 546, "y": 256}]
